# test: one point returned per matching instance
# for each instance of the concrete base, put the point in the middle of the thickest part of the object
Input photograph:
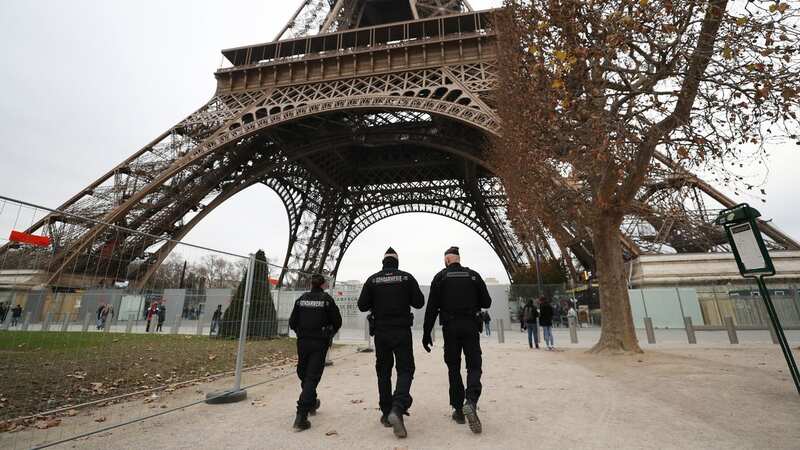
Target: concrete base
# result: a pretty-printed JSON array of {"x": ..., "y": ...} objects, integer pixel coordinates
[{"x": 224, "y": 397}]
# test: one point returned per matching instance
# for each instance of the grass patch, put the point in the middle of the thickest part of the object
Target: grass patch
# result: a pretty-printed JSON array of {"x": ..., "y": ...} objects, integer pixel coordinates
[{"x": 42, "y": 371}]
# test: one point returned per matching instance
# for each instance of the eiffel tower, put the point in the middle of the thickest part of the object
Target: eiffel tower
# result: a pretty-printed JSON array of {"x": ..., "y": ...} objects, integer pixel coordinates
[{"x": 358, "y": 111}]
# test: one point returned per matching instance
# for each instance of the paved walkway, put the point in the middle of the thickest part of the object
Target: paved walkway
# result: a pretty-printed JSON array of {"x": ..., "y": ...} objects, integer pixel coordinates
[{"x": 672, "y": 397}]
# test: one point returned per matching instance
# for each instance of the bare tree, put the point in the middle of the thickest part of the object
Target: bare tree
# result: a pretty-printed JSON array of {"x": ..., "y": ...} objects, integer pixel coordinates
[{"x": 597, "y": 97}]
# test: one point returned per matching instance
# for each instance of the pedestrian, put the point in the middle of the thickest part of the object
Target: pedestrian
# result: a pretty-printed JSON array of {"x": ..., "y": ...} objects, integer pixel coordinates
[
  {"x": 546, "y": 322},
  {"x": 530, "y": 316},
  {"x": 487, "y": 322},
  {"x": 457, "y": 295},
  {"x": 3, "y": 312},
  {"x": 315, "y": 319},
  {"x": 389, "y": 295},
  {"x": 152, "y": 312},
  {"x": 572, "y": 314},
  {"x": 16, "y": 314},
  {"x": 215, "y": 320},
  {"x": 100, "y": 315},
  {"x": 106, "y": 314},
  {"x": 162, "y": 316}
]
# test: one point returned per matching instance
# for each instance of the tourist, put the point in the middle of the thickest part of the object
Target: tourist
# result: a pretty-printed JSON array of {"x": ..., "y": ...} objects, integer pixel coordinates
[
  {"x": 487, "y": 322},
  {"x": 106, "y": 314},
  {"x": 100, "y": 308},
  {"x": 3, "y": 312},
  {"x": 16, "y": 314},
  {"x": 162, "y": 316},
  {"x": 458, "y": 294},
  {"x": 216, "y": 318},
  {"x": 315, "y": 319},
  {"x": 151, "y": 312},
  {"x": 529, "y": 318},
  {"x": 546, "y": 322},
  {"x": 389, "y": 295}
]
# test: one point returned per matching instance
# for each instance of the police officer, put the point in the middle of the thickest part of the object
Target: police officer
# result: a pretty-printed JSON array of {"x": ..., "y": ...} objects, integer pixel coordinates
[
  {"x": 389, "y": 295},
  {"x": 315, "y": 318},
  {"x": 457, "y": 295}
]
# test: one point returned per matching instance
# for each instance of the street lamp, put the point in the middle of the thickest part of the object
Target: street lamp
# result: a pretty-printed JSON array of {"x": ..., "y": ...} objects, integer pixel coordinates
[{"x": 752, "y": 257}]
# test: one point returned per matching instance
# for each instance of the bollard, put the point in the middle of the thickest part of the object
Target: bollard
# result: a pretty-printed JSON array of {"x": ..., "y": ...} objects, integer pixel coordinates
[
  {"x": 46, "y": 324},
  {"x": 690, "y": 330},
  {"x": 501, "y": 332},
  {"x": 731, "y": 330},
  {"x": 27, "y": 322},
  {"x": 651, "y": 333},
  {"x": 573, "y": 330},
  {"x": 129, "y": 328},
  {"x": 772, "y": 333},
  {"x": 176, "y": 325},
  {"x": 86, "y": 319},
  {"x": 65, "y": 324}
]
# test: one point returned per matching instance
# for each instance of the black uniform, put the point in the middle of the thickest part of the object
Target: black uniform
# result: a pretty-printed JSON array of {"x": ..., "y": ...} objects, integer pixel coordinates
[
  {"x": 457, "y": 296},
  {"x": 390, "y": 294},
  {"x": 315, "y": 319}
]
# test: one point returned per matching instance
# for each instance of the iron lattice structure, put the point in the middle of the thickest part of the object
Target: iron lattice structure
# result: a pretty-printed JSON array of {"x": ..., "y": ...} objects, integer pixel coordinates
[{"x": 386, "y": 110}]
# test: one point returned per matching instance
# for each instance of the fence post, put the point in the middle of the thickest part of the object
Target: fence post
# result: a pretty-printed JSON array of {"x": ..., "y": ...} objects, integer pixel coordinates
[
  {"x": 731, "y": 330},
  {"x": 47, "y": 318},
  {"x": 27, "y": 322},
  {"x": 772, "y": 333},
  {"x": 65, "y": 324},
  {"x": 237, "y": 394},
  {"x": 690, "y": 330},
  {"x": 573, "y": 329},
  {"x": 648, "y": 328},
  {"x": 501, "y": 332},
  {"x": 86, "y": 319},
  {"x": 129, "y": 327},
  {"x": 177, "y": 324}
]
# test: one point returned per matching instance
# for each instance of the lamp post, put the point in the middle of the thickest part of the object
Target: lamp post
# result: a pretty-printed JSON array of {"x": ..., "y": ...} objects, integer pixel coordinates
[{"x": 752, "y": 257}]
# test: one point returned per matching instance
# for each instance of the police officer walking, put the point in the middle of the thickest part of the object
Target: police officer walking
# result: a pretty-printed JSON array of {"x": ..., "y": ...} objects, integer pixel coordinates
[
  {"x": 457, "y": 295},
  {"x": 315, "y": 318},
  {"x": 389, "y": 295}
]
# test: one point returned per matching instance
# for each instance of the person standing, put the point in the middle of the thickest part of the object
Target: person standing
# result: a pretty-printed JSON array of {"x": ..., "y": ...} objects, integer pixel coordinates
[
  {"x": 3, "y": 311},
  {"x": 529, "y": 317},
  {"x": 487, "y": 322},
  {"x": 162, "y": 316},
  {"x": 389, "y": 296},
  {"x": 457, "y": 295},
  {"x": 105, "y": 315},
  {"x": 151, "y": 312},
  {"x": 16, "y": 314},
  {"x": 100, "y": 315},
  {"x": 546, "y": 322},
  {"x": 315, "y": 319},
  {"x": 215, "y": 320}
]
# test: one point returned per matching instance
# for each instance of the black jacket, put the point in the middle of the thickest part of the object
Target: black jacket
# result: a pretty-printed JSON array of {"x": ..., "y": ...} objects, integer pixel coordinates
[
  {"x": 390, "y": 294},
  {"x": 456, "y": 292},
  {"x": 315, "y": 315},
  {"x": 546, "y": 315},
  {"x": 532, "y": 313}
]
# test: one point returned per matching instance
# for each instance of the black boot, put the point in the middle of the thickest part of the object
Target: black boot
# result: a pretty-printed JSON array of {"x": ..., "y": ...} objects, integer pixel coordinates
[
  {"x": 313, "y": 411},
  {"x": 395, "y": 418},
  {"x": 301, "y": 422},
  {"x": 458, "y": 417},
  {"x": 385, "y": 421},
  {"x": 471, "y": 413}
]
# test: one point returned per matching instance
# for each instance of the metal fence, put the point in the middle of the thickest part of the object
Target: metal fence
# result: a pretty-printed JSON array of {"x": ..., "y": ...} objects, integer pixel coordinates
[{"x": 132, "y": 316}]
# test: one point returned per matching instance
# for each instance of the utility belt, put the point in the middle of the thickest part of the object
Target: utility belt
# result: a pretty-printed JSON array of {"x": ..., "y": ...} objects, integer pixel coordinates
[
  {"x": 447, "y": 317},
  {"x": 394, "y": 322}
]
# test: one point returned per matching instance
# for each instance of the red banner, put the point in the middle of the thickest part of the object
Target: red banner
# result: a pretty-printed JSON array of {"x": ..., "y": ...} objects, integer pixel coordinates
[{"x": 25, "y": 238}]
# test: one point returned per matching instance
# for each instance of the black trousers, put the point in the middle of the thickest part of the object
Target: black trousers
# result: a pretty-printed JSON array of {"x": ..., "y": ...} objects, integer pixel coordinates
[
  {"x": 394, "y": 345},
  {"x": 310, "y": 364},
  {"x": 462, "y": 335}
]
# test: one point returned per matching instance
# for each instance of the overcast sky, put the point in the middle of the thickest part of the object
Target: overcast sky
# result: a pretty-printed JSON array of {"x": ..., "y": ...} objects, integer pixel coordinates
[{"x": 86, "y": 83}]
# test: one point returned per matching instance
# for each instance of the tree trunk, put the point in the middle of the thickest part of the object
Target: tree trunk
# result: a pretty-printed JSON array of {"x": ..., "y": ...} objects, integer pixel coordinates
[{"x": 617, "y": 334}]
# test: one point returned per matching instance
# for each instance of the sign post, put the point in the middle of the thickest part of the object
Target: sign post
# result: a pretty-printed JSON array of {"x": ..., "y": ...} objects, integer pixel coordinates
[{"x": 752, "y": 257}]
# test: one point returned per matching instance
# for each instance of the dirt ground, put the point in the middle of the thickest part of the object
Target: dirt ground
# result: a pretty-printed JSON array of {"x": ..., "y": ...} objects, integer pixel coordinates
[
  {"x": 45, "y": 371},
  {"x": 672, "y": 398}
]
